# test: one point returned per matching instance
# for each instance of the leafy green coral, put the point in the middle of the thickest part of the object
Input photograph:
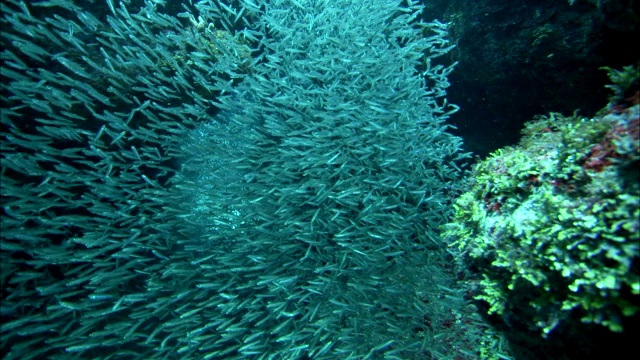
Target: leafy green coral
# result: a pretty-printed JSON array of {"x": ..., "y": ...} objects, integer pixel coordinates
[
  {"x": 552, "y": 224},
  {"x": 621, "y": 80}
]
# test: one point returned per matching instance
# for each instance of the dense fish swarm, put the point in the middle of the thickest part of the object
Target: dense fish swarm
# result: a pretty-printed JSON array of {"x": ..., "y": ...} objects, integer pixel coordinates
[{"x": 261, "y": 180}]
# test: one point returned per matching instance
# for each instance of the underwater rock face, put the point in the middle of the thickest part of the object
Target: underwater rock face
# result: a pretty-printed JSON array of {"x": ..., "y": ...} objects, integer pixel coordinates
[
  {"x": 519, "y": 59},
  {"x": 256, "y": 180}
]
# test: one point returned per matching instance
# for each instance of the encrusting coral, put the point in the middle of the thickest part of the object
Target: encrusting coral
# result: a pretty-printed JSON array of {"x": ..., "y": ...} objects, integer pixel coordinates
[{"x": 550, "y": 228}]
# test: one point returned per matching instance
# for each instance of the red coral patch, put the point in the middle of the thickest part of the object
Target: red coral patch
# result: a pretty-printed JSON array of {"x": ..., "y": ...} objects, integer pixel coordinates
[{"x": 601, "y": 154}]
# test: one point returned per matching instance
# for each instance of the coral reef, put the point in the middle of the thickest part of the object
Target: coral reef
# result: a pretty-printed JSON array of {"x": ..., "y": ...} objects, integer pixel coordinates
[{"x": 550, "y": 228}]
